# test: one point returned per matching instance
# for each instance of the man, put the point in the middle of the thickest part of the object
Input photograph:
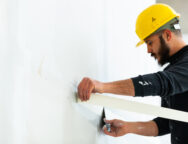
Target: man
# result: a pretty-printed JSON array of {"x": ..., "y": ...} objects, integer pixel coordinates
[{"x": 158, "y": 27}]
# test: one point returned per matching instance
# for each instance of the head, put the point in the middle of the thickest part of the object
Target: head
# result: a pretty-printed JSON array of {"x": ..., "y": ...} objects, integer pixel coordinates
[
  {"x": 160, "y": 45},
  {"x": 158, "y": 26}
]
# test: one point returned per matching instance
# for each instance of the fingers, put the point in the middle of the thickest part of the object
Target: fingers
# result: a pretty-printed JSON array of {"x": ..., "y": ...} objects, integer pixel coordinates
[
  {"x": 85, "y": 88},
  {"x": 88, "y": 89},
  {"x": 80, "y": 90},
  {"x": 111, "y": 133},
  {"x": 116, "y": 128},
  {"x": 105, "y": 129},
  {"x": 108, "y": 121}
]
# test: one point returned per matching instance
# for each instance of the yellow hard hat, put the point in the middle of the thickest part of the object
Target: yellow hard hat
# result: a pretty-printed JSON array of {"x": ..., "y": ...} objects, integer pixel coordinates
[{"x": 152, "y": 18}]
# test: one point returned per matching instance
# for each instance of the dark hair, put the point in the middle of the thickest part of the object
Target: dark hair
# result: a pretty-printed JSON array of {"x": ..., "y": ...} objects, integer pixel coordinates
[
  {"x": 171, "y": 25},
  {"x": 177, "y": 32}
]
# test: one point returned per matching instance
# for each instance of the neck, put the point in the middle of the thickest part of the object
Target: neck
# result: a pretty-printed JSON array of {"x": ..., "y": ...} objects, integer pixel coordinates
[{"x": 177, "y": 45}]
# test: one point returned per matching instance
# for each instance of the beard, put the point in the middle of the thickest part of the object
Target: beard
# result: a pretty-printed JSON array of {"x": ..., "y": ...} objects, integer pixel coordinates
[{"x": 164, "y": 51}]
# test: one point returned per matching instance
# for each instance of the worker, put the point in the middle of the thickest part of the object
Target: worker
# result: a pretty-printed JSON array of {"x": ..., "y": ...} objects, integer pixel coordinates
[{"x": 158, "y": 27}]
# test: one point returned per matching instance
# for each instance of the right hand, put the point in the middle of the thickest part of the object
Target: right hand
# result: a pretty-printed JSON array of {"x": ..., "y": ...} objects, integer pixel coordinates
[
  {"x": 88, "y": 86},
  {"x": 118, "y": 128}
]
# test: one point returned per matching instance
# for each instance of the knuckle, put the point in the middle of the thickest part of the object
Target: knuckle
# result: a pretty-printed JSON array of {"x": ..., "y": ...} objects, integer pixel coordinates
[
  {"x": 84, "y": 90},
  {"x": 79, "y": 87},
  {"x": 105, "y": 132},
  {"x": 91, "y": 82},
  {"x": 85, "y": 78}
]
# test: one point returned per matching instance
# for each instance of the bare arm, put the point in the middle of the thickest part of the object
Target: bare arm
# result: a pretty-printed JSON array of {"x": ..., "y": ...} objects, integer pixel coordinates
[
  {"x": 88, "y": 86},
  {"x": 122, "y": 87},
  {"x": 120, "y": 128},
  {"x": 144, "y": 128}
]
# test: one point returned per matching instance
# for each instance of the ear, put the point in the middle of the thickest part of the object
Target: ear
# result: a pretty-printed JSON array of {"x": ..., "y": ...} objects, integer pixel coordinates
[{"x": 167, "y": 35}]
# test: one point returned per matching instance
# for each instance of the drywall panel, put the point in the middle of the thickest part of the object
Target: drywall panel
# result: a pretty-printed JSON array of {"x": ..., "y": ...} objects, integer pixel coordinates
[{"x": 65, "y": 42}]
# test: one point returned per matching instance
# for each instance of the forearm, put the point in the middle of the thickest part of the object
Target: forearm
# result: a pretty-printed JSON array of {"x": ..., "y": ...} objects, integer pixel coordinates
[
  {"x": 143, "y": 128},
  {"x": 122, "y": 87}
]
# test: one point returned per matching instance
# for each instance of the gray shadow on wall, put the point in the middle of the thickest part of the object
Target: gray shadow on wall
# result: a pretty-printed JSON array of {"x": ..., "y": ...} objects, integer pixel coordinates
[{"x": 96, "y": 119}]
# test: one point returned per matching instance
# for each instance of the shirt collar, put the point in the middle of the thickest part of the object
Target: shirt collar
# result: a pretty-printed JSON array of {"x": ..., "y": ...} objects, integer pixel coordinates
[{"x": 178, "y": 54}]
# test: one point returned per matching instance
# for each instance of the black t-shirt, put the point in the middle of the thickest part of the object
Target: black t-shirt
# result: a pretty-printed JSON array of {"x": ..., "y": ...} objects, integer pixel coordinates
[{"x": 172, "y": 85}]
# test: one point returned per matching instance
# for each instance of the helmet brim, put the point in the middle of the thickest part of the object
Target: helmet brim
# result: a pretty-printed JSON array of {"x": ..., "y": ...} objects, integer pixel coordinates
[{"x": 140, "y": 43}]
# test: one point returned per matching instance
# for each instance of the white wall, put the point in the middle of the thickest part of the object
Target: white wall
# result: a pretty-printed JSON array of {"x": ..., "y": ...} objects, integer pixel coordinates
[
  {"x": 46, "y": 48},
  {"x": 63, "y": 39}
]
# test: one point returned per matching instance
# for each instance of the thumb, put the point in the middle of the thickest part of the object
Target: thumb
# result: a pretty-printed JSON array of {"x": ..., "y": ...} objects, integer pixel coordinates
[{"x": 108, "y": 121}]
